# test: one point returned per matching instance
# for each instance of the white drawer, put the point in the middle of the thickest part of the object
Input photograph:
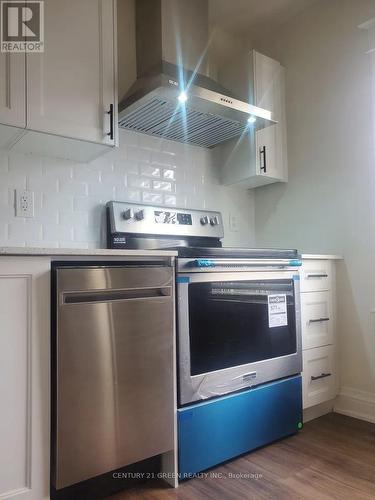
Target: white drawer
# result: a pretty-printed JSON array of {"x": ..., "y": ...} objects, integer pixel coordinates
[
  {"x": 316, "y": 275},
  {"x": 318, "y": 377},
  {"x": 316, "y": 319}
]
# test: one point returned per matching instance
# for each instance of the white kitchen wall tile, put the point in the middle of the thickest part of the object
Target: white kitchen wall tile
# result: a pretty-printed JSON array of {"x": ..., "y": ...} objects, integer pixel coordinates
[
  {"x": 149, "y": 170},
  {"x": 163, "y": 186},
  {"x": 154, "y": 198},
  {"x": 170, "y": 199},
  {"x": 23, "y": 164},
  {"x": 127, "y": 194},
  {"x": 86, "y": 234},
  {"x": 86, "y": 173},
  {"x": 169, "y": 174},
  {"x": 62, "y": 169},
  {"x": 102, "y": 191},
  {"x": 60, "y": 202},
  {"x": 139, "y": 154},
  {"x": 138, "y": 182},
  {"x": 24, "y": 229},
  {"x": 76, "y": 218},
  {"x": 13, "y": 179},
  {"x": 126, "y": 166},
  {"x": 72, "y": 187},
  {"x": 42, "y": 183},
  {"x": 85, "y": 202},
  {"x": 161, "y": 158},
  {"x": 57, "y": 232}
]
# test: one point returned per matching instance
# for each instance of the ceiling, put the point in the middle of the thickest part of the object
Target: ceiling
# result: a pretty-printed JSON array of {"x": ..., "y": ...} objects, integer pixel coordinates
[{"x": 251, "y": 18}]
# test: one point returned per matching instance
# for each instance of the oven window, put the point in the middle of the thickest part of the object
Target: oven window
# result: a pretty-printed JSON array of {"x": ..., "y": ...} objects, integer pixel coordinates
[{"x": 240, "y": 322}]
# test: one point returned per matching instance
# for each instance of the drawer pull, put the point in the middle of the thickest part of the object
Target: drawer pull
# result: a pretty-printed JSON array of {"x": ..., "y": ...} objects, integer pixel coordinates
[
  {"x": 317, "y": 275},
  {"x": 323, "y": 375},
  {"x": 318, "y": 320}
]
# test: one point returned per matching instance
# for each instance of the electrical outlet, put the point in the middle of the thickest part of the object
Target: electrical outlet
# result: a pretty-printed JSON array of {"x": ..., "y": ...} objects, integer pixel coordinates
[
  {"x": 24, "y": 203},
  {"x": 233, "y": 222}
]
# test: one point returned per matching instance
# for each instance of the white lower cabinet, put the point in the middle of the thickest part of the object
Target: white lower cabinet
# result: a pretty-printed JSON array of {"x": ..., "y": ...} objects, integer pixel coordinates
[
  {"x": 318, "y": 376},
  {"x": 24, "y": 378},
  {"x": 317, "y": 319},
  {"x": 319, "y": 342}
]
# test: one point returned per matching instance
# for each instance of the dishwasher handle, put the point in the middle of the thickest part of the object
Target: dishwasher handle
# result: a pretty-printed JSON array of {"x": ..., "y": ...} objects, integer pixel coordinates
[{"x": 90, "y": 296}]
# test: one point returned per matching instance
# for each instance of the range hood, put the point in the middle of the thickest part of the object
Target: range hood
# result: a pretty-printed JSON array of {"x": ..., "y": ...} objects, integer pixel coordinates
[{"x": 173, "y": 96}]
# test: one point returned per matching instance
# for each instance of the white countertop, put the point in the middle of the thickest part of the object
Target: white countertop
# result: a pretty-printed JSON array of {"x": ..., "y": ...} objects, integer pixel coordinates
[
  {"x": 94, "y": 252},
  {"x": 102, "y": 252},
  {"x": 321, "y": 256}
]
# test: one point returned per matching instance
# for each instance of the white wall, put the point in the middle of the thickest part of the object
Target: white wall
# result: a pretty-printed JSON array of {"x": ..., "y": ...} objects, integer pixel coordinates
[
  {"x": 328, "y": 206},
  {"x": 70, "y": 197}
]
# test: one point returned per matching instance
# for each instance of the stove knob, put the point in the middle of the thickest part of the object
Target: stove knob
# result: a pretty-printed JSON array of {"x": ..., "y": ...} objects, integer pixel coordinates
[
  {"x": 128, "y": 214},
  {"x": 140, "y": 215},
  {"x": 214, "y": 221},
  {"x": 204, "y": 220}
]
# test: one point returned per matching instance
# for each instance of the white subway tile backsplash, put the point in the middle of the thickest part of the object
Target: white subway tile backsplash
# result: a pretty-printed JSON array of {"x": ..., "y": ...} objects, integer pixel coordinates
[
  {"x": 127, "y": 194},
  {"x": 138, "y": 182},
  {"x": 24, "y": 229},
  {"x": 59, "y": 202},
  {"x": 73, "y": 187},
  {"x": 58, "y": 232},
  {"x": 163, "y": 185},
  {"x": 149, "y": 170},
  {"x": 69, "y": 198},
  {"x": 102, "y": 191},
  {"x": 42, "y": 183},
  {"x": 169, "y": 173},
  {"x": 170, "y": 199},
  {"x": 126, "y": 166},
  {"x": 154, "y": 198}
]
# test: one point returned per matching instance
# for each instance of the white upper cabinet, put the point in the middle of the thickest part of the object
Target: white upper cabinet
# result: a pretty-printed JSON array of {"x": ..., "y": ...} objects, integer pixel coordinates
[
  {"x": 260, "y": 157},
  {"x": 71, "y": 87},
  {"x": 12, "y": 97}
]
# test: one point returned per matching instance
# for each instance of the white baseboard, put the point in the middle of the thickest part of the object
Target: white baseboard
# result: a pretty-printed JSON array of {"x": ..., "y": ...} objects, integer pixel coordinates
[{"x": 356, "y": 403}]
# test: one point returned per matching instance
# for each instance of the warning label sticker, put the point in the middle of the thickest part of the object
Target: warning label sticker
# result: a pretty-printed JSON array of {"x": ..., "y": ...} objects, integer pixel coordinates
[{"x": 277, "y": 310}]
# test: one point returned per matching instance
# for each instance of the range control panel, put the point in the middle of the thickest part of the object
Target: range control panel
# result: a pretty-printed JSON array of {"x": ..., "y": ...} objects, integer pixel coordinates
[{"x": 145, "y": 219}]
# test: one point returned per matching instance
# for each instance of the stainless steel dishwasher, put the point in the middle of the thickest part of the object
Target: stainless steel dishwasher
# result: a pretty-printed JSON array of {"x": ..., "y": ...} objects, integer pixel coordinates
[{"x": 113, "y": 376}]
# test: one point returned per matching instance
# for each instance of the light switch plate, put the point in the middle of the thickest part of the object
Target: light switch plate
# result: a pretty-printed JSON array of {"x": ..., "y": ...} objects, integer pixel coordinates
[{"x": 24, "y": 203}]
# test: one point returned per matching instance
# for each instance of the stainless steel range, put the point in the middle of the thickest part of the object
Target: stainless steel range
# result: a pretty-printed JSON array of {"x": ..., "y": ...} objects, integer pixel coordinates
[{"x": 238, "y": 309}]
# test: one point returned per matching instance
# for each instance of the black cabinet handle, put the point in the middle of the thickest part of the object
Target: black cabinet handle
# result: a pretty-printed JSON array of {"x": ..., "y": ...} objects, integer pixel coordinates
[
  {"x": 323, "y": 375},
  {"x": 263, "y": 164},
  {"x": 318, "y": 320},
  {"x": 317, "y": 275},
  {"x": 111, "y": 122}
]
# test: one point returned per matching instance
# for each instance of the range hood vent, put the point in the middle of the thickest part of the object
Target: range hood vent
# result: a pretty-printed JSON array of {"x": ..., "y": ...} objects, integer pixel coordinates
[{"x": 175, "y": 101}]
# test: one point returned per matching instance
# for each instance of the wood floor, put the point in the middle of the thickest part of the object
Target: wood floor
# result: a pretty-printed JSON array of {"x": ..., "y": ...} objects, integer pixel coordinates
[{"x": 333, "y": 457}]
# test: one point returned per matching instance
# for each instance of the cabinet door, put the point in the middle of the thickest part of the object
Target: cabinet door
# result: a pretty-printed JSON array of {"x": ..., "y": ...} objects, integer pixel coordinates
[
  {"x": 317, "y": 319},
  {"x": 318, "y": 377},
  {"x": 24, "y": 377},
  {"x": 72, "y": 84},
  {"x": 266, "y": 82},
  {"x": 269, "y": 90},
  {"x": 12, "y": 97}
]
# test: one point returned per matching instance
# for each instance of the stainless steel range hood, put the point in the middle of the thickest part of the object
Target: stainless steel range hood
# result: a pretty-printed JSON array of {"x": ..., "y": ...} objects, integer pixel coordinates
[{"x": 173, "y": 97}]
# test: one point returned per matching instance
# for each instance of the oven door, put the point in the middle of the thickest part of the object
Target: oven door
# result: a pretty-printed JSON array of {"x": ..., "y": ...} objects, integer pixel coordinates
[{"x": 236, "y": 330}]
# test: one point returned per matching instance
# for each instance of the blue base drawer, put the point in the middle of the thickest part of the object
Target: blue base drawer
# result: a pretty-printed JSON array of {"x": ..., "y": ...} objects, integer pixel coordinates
[{"x": 212, "y": 432}]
